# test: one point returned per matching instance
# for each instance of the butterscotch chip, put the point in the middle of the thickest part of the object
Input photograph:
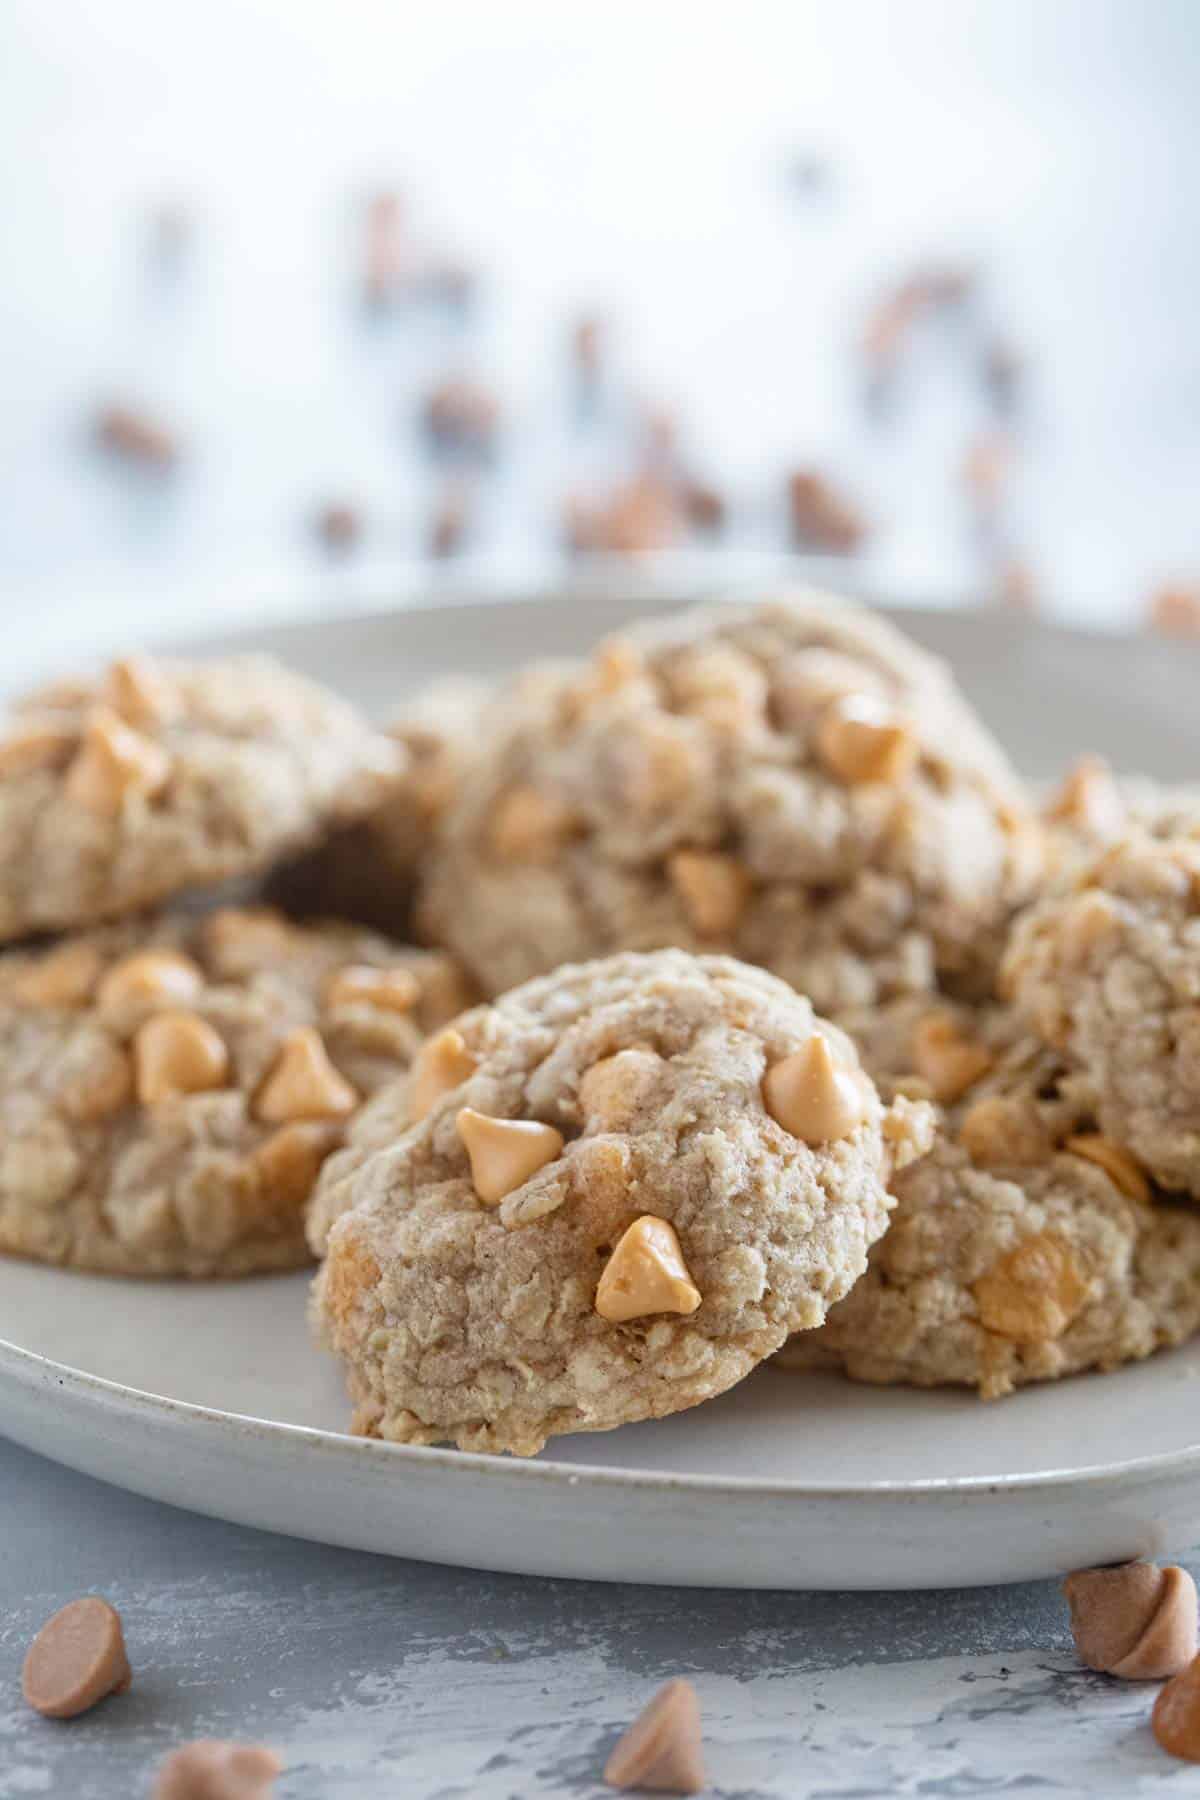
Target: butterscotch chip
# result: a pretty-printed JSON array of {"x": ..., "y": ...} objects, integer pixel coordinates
[
  {"x": 148, "y": 980},
  {"x": 529, "y": 823},
  {"x": 1176, "y": 1716},
  {"x": 1090, "y": 800},
  {"x": 661, "y": 1752},
  {"x": 1136, "y": 1621},
  {"x": 1004, "y": 1129},
  {"x": 994, "y": 1277},
  {"x": 1114, "y": 1160},
  {"x": 1034, "y": 1292},
  {"x": 504, "y": 1153},
  {"x": 63, "y": 977},
  {"x": 36, "y": 746},
  {"x": 647, "y": 1234},
  {"x": 814, "y": 1096},
  {"x": 860, "y": 740},
  {"x": 304, "y": 1083},
  {"x": 646, "y": 1274},
  {"x": 158, "y": 776},
  {"x": 142, "y": 695},
  {"x": 394, "y": 990},
  {"x": 76, "y": 1660},
  {"x": 949, "y": 1062},
  {"x": 130, "y": 1139},
  {"x": 113, "y": 764},
  {"x": 178, "y": 1053},
  {"x": 443, "y": 1065},
  {"x": 714, "y": 889},
  {"x": 213, "y": 1769}
]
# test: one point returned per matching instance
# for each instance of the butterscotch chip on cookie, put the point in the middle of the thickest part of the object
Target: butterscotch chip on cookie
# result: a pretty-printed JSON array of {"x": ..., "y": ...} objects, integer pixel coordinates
[
  {"x": 1109, "y": 974},
  {"x": 997, "y": 1275},
  {"x": 172, "y": 1085},
  {"x": 628, "y": 1183},
  {"x": 157, "y": 776},
  {"x": 794, "y": 784}
]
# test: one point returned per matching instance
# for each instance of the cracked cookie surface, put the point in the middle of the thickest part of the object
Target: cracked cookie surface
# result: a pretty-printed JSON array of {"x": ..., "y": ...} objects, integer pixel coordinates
[
  {"x": 1109, "y": 974},
  {"x": 595, "y": 1217},
  {"x": 794, "y": 784},
  {"x": 172, "y": 1084},
  {"x": 157, "y": 776}
]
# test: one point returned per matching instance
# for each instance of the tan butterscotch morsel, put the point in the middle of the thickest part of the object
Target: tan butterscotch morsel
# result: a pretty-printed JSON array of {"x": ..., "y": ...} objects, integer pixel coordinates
[
  {"x": 1134, "y": 1620},
  {"x": 142, "y": 693},
  {"x": 1089, "y": 799},
  {"x": 113, "y": 764},
  {"x": 304, "y": 1084},
  {"x": 646, "y": 1274},
  {"x": 213, "y": 1769},
  {"x": 64, "y": 977},
  {"x": 177, "y": 1053},
  {"x": 1002, "y": 1128},
  {"x": 443, "y": 1064},
  {"x": 1090, "y": 921},
  {"x": 811, "y": 1095},
  {"x": 861, "y": 740},
  {"x": 36, "y": 745},
  {"x": 1116, "y": 1162},
  {"x": 504, "y": 1153},
  {"x": 1176, "y": 1716},
  {"x": 150, "y": 979},
  {"x": 714, "y": 889},
  {"x": 77, "y": 1659},
  {"x": 1033, "y": 1293},
  {"x": 948, "y": 1061},
  {"x": 393, "y": 990},
  {"x": 529, "y": 823},
  {"x": 288, "y": 1163},
  {"x": 662, "y": 1753}
]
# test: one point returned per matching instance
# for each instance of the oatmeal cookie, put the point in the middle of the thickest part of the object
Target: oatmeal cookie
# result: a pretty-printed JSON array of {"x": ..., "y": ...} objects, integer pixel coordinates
[
  {"x": 1109, "y": 974},
  {"x": 604, "y": 1198},
  {"x": 172, "y": 1085},
  {"x": 995, "y": 1276},
  {"x": 792, "y": 783},
  {"x": 1093, "y": 808},
  {"x": 159, "y": 776}
]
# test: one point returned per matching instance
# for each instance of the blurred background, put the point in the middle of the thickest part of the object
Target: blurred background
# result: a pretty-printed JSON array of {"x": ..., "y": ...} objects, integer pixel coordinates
[{"x": 313, "y": 306}]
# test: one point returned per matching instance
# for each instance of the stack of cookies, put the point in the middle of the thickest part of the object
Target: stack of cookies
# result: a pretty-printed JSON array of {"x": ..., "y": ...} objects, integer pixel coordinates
[{"x": 808, "y": 1034}]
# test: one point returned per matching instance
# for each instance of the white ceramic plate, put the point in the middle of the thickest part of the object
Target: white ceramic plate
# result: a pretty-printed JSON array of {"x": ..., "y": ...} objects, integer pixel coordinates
[{"x": 211, "y": 1396}]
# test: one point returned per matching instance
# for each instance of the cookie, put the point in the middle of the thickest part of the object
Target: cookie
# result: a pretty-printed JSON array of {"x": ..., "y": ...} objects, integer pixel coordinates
[
  {"x": 605, "y": 1197},
  {"x": 159, "y": 776},
  {"x": 1092, "y": 808},
  {"x": 367, "y": 870},
  {"x": 996, "y": 1276},
  {"x": 1109, "y": 974},
  {"x": 794, "y": 784},
  {"x": 172, "y": 1085}
]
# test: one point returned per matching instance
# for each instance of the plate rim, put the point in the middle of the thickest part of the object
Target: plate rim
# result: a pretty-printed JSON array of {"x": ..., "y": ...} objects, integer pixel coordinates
[{"x": 31, "y": 1369}]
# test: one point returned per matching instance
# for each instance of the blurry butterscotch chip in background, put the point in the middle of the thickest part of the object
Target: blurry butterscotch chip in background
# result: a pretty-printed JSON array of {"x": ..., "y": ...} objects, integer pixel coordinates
[
  {"x": 1174, "y": 609},
  {"x": 1015, "y": 586},
  {"x": 704, "y": 506},
  {"x": 450, "y": 520},
  {"x": 821, "y": 518},
  {"x": 986, "y": 466},
  {"x": 637, "y": 516},
  {"x": 384, "y": 256},
  {"x": 135, "y": 436},
  {"x": 339, "y": 525},
  {"x": 462, "y": 416}
]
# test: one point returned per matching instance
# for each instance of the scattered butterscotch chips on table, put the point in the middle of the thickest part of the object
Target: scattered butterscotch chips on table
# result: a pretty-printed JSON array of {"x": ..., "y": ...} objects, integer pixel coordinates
[
  {"x": 596, "y": 1207},
  {"x": 792, "y": 783},
  {"x": 638, "y": 516},
  {"x": 76, "y": 1660},
  {"x": 172, "y": 1086},
  {"x": 822, "y": 518},
  {"x": 386, "y": 254},
  {"x": 137, "y": 437},
  {"x": 462, "y": 415},
  {"x": 450, "y": 521},
  {"x": 213, "y": 1769},
  {"x": 1176, "y": 1717},
  {"x": 1134, "y": 1620},
  {"x": 1015, "y": 586},
  {"x": 122, "y": 789},
  {"x": 662, "y": 1752}
]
